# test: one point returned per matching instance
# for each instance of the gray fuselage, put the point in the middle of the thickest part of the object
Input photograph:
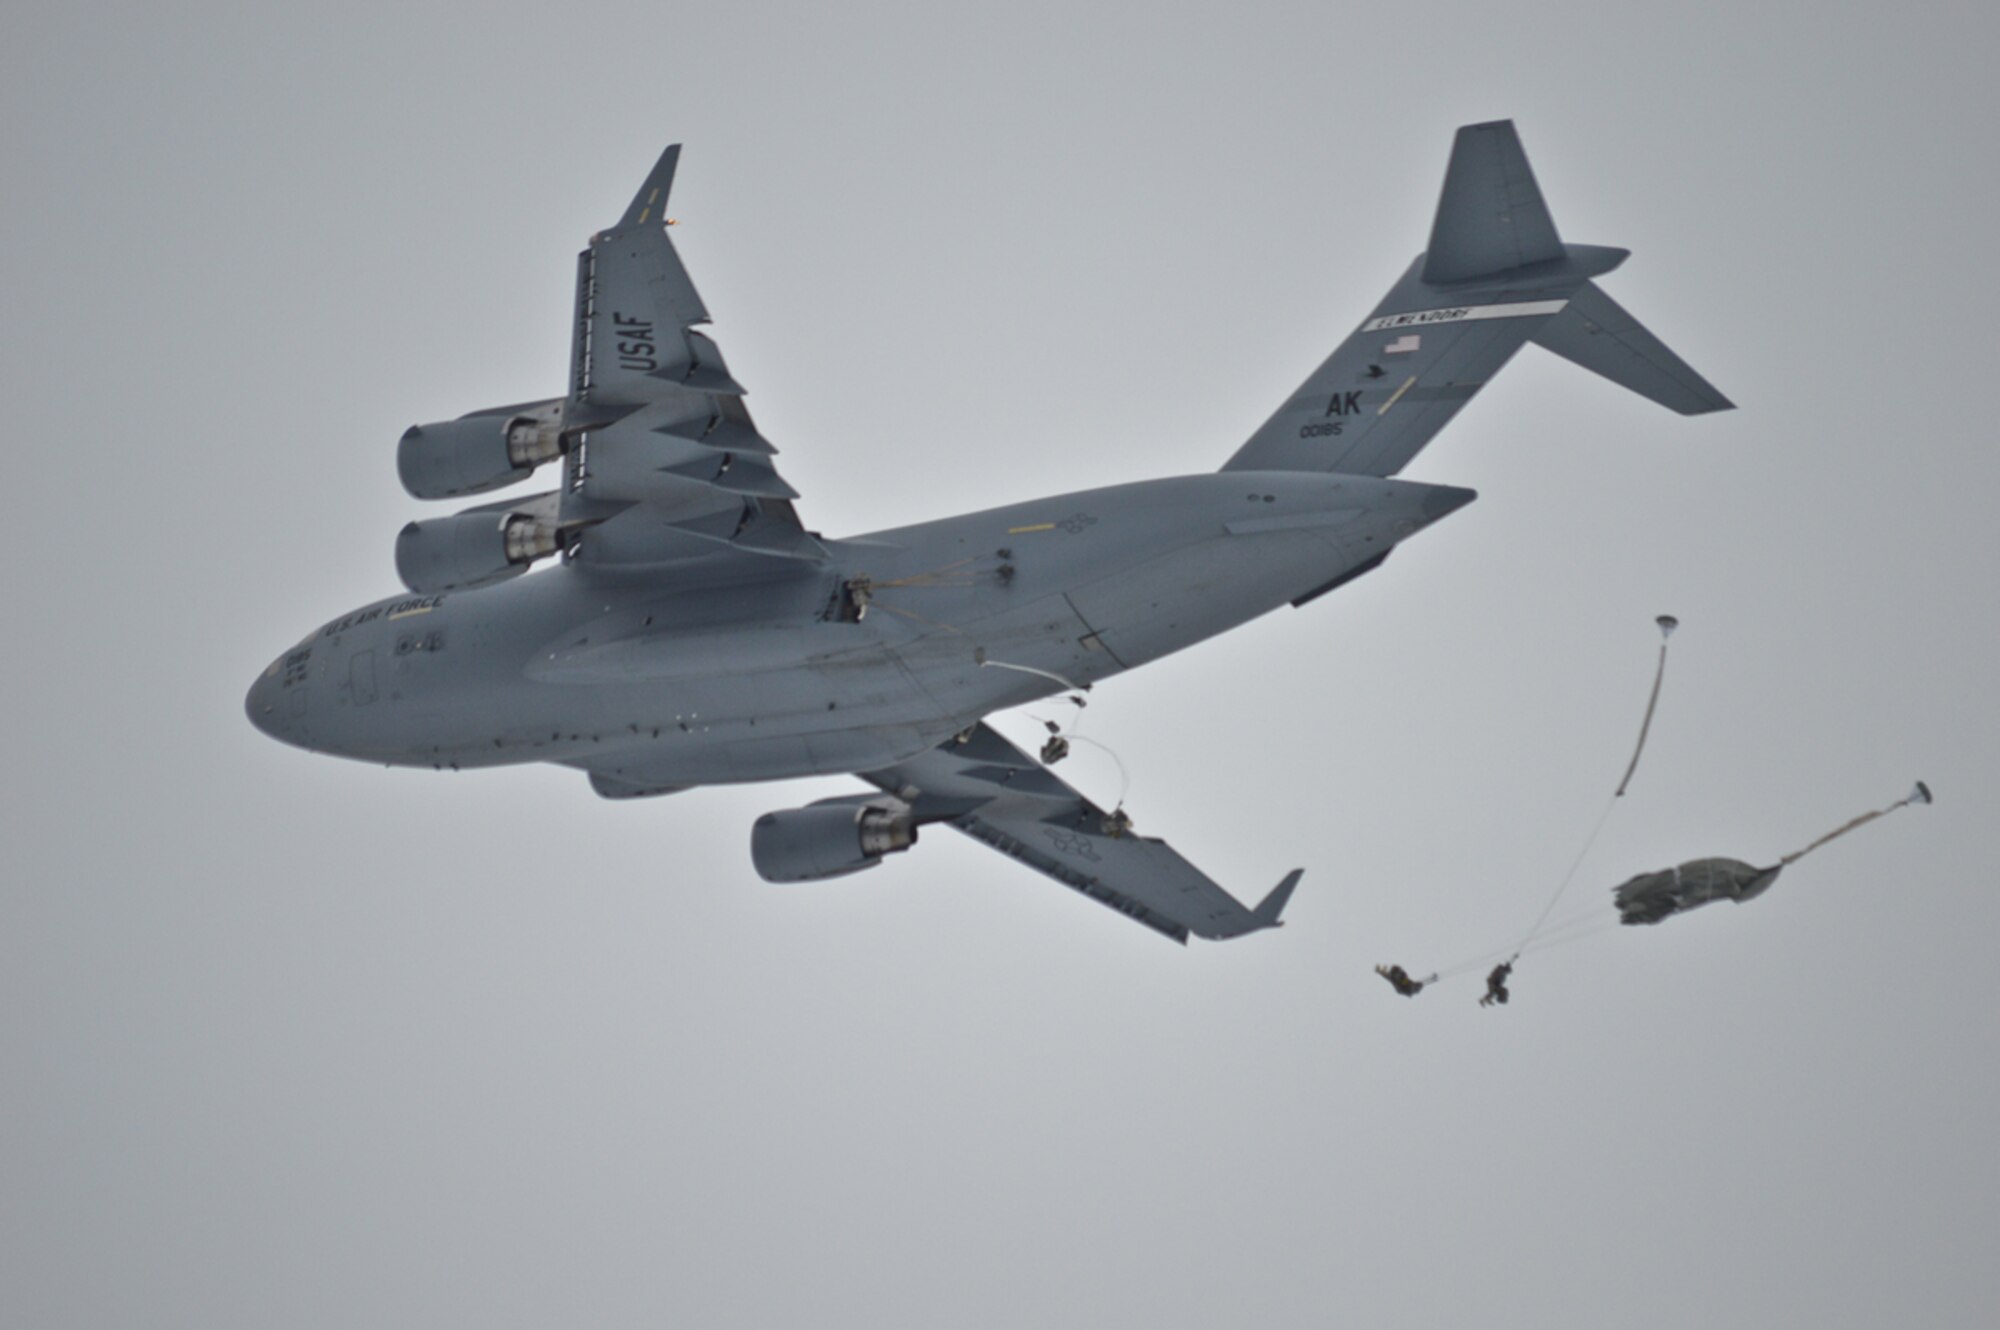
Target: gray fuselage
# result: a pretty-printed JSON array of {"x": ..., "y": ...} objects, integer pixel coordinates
[{"x": 656, "y": 679}]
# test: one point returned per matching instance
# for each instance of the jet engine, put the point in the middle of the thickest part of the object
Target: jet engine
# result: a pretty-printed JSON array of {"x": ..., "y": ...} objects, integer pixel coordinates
[
  {"x": 829, "y": 839},
  {"x": 471, "y": 549},
  {"x": 482, "y": 451}
]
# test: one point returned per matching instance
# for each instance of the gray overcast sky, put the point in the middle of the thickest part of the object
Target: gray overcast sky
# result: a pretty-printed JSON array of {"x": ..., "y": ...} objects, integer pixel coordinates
[{"x": 291, "y": 1041}]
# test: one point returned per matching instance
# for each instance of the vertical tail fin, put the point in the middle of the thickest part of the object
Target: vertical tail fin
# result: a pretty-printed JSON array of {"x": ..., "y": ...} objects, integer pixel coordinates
[
  {"x": 1497, "y": 274},
  {"x": 1490, "y": 217}
]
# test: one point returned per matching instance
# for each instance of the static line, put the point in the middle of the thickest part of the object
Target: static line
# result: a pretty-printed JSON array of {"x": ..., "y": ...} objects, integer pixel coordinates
[
  {"x": 1030, "y": 669},
  {"x": 1646, "y": 725}
]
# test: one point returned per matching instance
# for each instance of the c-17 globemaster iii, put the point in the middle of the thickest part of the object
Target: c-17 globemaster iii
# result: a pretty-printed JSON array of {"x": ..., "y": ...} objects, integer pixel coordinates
[{"x": 694, "y": 632}]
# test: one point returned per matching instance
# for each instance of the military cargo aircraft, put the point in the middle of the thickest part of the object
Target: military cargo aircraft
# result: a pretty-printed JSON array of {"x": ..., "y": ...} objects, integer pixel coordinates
[{"x": 693, "y": 631}]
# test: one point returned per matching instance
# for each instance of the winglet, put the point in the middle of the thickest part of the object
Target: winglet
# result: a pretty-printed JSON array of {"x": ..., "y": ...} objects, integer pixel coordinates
[
  {"x": 1267, "y": 911},
  {"x": 650, "y": 203}
]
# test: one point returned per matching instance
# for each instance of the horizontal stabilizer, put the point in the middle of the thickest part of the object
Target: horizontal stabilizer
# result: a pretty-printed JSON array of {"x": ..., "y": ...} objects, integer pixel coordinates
[
  {"x": 1595, "y": 332},
  {"x": 1491, "y": 217}
]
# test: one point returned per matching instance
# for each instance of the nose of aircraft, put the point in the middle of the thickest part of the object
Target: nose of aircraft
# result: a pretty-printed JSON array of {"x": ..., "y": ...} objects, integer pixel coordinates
[
  {"x": 260, "y": 704},
  {"x": 272, "y": 708}
]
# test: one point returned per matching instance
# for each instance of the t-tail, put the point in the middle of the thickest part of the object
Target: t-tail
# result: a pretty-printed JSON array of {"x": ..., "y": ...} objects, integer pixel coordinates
[{"x": 1496, "y": 275}]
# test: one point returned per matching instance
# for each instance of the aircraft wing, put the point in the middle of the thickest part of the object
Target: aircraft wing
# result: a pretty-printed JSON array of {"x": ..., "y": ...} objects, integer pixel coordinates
[
  {"x": 998, "y": 795},
  {"x": 664, "y": 462}
]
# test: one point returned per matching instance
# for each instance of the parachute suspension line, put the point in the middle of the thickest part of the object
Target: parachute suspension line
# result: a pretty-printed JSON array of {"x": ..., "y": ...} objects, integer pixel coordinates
[
  {"x": 1921, "y": 794},
  {"x": 1559, "y": 935},
  {"x": 1124, "y": 776},
  {"x": 1590, "y": 925},
  {"x": 1570, "y": 930},
  {"x": 1587, "y": 915},
  {"x": 1589, "y": 844},
  {"x": 1573, "y": 928},
  {"x": 1667, "y": 623}
]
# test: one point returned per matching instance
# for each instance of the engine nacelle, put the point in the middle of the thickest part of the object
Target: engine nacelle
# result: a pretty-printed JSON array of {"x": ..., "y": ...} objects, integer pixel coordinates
[
  {"x": 471, "y": 549},
  {"x": 828, "y": 839},
  {"x": 483, "y": 451}
]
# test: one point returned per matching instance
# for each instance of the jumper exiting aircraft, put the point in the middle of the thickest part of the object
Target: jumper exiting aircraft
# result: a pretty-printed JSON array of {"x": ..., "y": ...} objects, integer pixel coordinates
[{"x": 693, "y": 632}]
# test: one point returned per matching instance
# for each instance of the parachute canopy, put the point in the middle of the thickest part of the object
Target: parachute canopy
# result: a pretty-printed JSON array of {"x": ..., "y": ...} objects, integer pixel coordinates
[{"x": 1651, "y": 897}]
